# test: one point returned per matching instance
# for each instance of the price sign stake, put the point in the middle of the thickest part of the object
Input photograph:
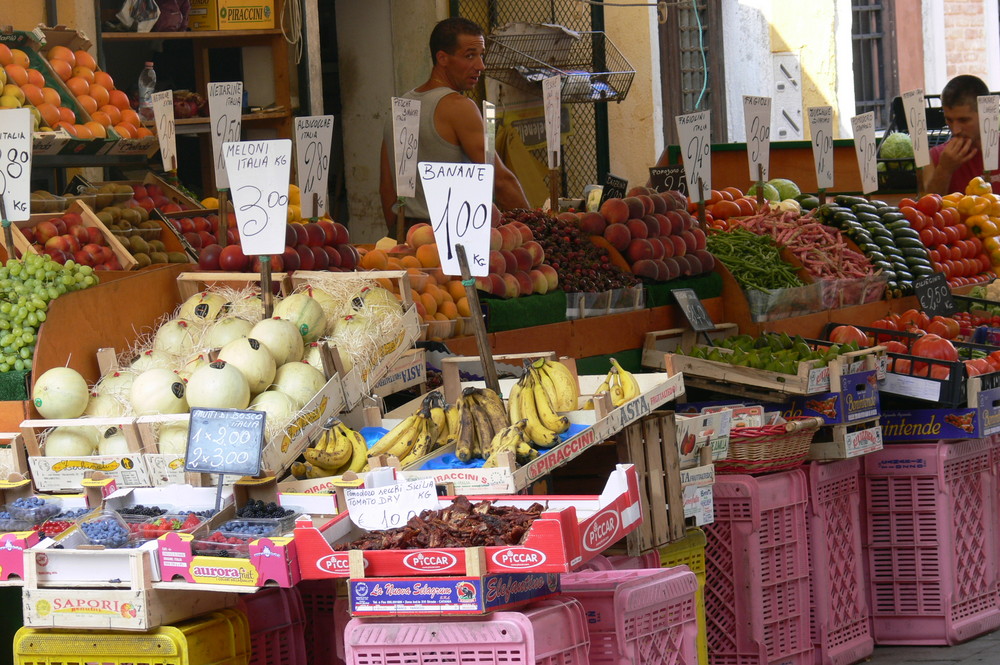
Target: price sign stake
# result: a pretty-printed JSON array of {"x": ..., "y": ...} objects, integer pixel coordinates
[
  {"x": 693, "y": 131},
  {"x": 757, "y": 121},
  {"x": 459, "y": 199},
  {"x": 224, "y": 441},
  {"x": 863, "y": 127},
  {"x": 15, "y": 171},
  {"x": 313, "y": 138},
  {"x": 668, "y": 178},
  {"x": 916, "y": 123},
  {"x": 821, "y": 129},
  {"x": 405, "y": 132},
  {"x": 934, "y": 295},
  {"x": 258, "y": 171},
  {"x": 989, "y": 130}
]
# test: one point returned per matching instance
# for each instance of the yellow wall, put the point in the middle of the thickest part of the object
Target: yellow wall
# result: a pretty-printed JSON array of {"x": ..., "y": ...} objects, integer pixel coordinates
[{"x": 76, "y": 14}]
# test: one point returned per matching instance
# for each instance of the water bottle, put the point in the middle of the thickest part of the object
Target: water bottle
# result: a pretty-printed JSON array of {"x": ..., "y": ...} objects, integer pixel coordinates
[{"x": 147, "y": 86}]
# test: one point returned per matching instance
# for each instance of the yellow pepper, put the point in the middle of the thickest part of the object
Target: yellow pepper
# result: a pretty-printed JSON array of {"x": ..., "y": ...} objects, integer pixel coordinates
[
  {"x": 982, "y": 226},
  {"x": 991, "y": 244},
  {"x": 978, "y": 186},
  {"x": 972, "y": 205}
]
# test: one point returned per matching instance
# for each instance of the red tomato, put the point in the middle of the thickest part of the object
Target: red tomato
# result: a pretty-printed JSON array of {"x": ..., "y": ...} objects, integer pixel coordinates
[
  {"x": 927, "y": 236},
  {"x": 940, "y": 237},
  {"x": 934, "y": 256},
  {"x": 994, "y": 359},
  {"x": 946, "y": 268},
  {"x": 901, "y": 366},
  {"x": 952, "y": 216},
  {"x": 963, "y": 230},
  {"x": 971, "y": 369},
  {"x": 934, "y": 346},
  {"x": 937, "y": 328},
  {"x": 845, "y": 334},
  {"x": 984, "y": 263},
  {"x": 951, "y": 233},
  {"x": 906, "y": 202},
  {"x": 955, "y": 250},
  {"x": 950, "y": 324},
  {"x": 977, "y": 243},
  {"x": 929, "y": 204},
  {"x": 895, "y": 346},
  {"x": 982, "y": 364},
  {"x": 940, "y": 372}
]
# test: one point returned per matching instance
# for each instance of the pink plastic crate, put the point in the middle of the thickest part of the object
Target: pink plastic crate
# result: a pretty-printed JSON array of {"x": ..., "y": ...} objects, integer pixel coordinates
[
  {"x": 757, "y": 571},
  {"x": 599, "y": 562},
  {"x": 549, "y": 632},
  {"x": 841, "y": 632},
  {"x": 650, "y": 559},
  {"x": 638, "y": 616},
  {"x": 277, "y": 626},
  {"x": 931, "y": 552},
  {"x": 327, "y": 614},
  {"x": 995, "y": 457}
]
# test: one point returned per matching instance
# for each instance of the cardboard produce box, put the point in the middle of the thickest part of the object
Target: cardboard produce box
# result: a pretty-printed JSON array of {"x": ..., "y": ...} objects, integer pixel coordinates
[{"x": 231, "y": 15}]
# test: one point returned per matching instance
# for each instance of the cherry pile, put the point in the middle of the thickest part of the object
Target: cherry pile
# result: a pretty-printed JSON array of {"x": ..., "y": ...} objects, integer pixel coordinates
[{"x": 582, "y": 266}]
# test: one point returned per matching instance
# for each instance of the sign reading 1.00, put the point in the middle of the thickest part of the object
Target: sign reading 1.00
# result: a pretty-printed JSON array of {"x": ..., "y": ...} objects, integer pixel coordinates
[
  {"x": 460, "y": 199},
  {"x": 225, "y": 441}
]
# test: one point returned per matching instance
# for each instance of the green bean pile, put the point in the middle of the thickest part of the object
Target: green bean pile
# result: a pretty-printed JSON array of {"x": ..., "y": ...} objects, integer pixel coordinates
[{"x": 754, "y": 260}]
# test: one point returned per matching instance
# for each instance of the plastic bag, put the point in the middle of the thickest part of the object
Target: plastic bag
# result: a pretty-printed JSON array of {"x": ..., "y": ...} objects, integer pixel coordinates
[
  {"x": 173, "y": 15},
  {"x": 139, "y": 15}
]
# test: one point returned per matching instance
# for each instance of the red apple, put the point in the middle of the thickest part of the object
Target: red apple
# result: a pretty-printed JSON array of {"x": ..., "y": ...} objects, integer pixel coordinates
[
  {"x": 334, "y": 257},
  {"x": 208, "y": 257},
  {"x": 307, "y": 260},
  {"x": 343, "y": 236},
  {"x": 348, "y": 255},
  {"x": 232, "y": 259},
  {"x": 45, "y": 230},
  {"x": 291, "y": 259},
  {"x": 320, "y": 259},
  {"x": 329, "y": 232}
]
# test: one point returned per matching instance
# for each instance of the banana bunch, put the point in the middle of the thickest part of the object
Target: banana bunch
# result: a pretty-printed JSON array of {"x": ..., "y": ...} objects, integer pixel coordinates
[
  {"x": 512, "y": 439},
  {"x": 536, "y": 398},
  {"x": 620, "y": 384},
  {"x": 481, "y": 415},
  {"x": 338, "y": 450}
]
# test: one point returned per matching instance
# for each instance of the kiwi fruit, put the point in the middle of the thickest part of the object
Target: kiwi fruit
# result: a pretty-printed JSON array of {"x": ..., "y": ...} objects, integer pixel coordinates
[
  {"x": 132, "y": 216},
  {"x": 157, "y": 246},
  {"x": 114, "y": 211},
  {"x": 159, "y": 257},
  {"x": 143, "y": 213},
  {"x": 137, "y": 244},
  {"x": 142, "y": 260},
  {"x": 106, "y": 218},
  {"x": 178, "y": 257}
]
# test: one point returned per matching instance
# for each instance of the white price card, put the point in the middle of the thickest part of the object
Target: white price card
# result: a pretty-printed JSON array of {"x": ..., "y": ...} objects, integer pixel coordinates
[
  {"x": 694, "y": 135},
  {"x": 163, "y": 116},
  {"x": 989, "y": 120},
  {"x": 757, "y": 121},
  {"x": 916, "y": 124},
  {"x": 821, "y": 130},
  {"x": 390, "y": 506},
  {"x": 15, "y": 163},
  {"x": 489, "y": 132},
  {"x": 258, "y": 173},
  {"x": 225, "y": 110},
  {"x": 863, "y": 127},
  {"x": 552, "y": 101},
  {"x": 459, "y": 199},
  {"x": 313, "y": 138},
  {"x": 405, "y": 133}
]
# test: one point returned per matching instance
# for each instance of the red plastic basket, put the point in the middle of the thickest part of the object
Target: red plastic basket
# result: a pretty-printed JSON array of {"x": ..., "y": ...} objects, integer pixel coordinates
[
  {"x": 549, "y": 632},
  {"x": 757, "y": 571},
  {"x": 638, "y": 616},
  {"x": 841, "y": 632},
  {"x": 327, "y": 614},
  {"x": 277, "y": 626},
  {"x": 931, "y": 560}
]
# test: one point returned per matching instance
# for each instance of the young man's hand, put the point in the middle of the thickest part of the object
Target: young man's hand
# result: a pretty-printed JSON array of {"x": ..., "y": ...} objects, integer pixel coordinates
[{"x": 956, "y": 152}]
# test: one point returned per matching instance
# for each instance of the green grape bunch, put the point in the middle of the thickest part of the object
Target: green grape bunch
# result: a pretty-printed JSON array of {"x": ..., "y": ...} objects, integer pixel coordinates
[{"x": 26, "y": 287}]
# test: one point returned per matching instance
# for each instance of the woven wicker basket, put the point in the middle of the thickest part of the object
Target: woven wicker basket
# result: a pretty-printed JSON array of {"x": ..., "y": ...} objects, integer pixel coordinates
[{"x": 756, "y": 450}]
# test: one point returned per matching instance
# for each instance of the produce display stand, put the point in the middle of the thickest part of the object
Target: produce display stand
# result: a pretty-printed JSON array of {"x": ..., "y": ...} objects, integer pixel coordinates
[{"x": 89, "y": 220}]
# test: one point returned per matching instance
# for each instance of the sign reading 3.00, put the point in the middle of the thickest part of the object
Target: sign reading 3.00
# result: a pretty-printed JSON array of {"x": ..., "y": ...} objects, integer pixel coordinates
[
  {"x": 258, "y": 176},
  {"x": 225, "y": 441},
  {"x": 460, "y": 199}
]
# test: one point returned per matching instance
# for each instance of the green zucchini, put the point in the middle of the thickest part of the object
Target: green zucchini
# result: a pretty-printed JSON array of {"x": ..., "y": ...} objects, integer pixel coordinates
[
  {"x": 916, "y": 252},
  {"x": 898, "y": 224},
  {"x": 847, "y": 200},
  {"x": 864, "y": 208}
]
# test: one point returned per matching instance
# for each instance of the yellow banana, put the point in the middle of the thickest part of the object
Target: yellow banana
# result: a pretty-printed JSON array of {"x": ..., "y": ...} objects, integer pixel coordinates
[
  {"x": 566, "y": 387},
  {"x": 492, "y": 405},
  {"x": 451, "y": 416},
  {"x": 424, "y": 440},
  {"x": 465, "y": 434},
  {"x": 630, "y": 387},
  {"x": 617, "y": 393},
  {"x": 543, "y": 406},
  {"x": 313, "y": 472},
  {"x": 405, "y": 445},
  {"x": 298, "y": 470},
  {"x": 505, "y": 440},
  {"x": 393, "y": 436},
  {"x": 537, "y": 433},
  {"x": 514, "y": 402},
  {"x": 359, "y": 458}
]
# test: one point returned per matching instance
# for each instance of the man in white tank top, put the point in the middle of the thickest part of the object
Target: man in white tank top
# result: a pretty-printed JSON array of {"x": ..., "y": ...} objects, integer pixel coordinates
[{"x": 451, "y": 126}]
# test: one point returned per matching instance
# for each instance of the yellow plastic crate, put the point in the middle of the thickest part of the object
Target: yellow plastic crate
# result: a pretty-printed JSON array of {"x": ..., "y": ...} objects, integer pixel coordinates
[
  {"x": 690, "y": 552},
  {"x": 216, "y": 638}
]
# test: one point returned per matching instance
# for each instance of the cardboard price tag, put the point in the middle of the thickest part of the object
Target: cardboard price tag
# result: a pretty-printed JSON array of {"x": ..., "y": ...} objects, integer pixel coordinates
[
  {"x": 225, "y": 441},
  {"x": 934, "y": 295},
  {"x": 313, "y": 138},
  {"x": 405, "y": 132},
  {"x": 693, "y": 309},
  {"x": 15, "y": 163},
  {"x": 459, "y": 198},
  {"x": 166, "y": 134},
  {"x": 258, "y": 171},
  {"x": 615, "y": 187},
  {"x": 989, "y": 129},
  {"x": 863, "y": 127},
  {"x": 667, "y": 178},
  {"x": 225, "y": 110},
  {"x": 916, "y": 124},
  {"x": 821, "y": 130},
  {"x": 390, "y": 506},
  {"x": 694, "y": 136},
  {"x": 552, "y": 99},
  {"x": 757, "y": 121}
]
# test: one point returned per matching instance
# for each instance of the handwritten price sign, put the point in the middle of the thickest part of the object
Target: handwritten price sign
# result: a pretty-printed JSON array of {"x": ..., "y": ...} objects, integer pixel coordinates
[
  {"x": 552, "y": 100},
  {"x": 666, "y": 178},
  {"x": 863, "y": 127},
  {"x": 166, "y": 135},
  {"x": 225, "y": 441},
  {"x": 258, "y": 171},
  {"x": 313, "y": 138},
  {"x": 459, "y": 199},
  {"x": 390, "y": 506},
  {"x": 225, "y": 110},
  {"x": 989, "y": 129},
  {"x": 916, "y": 124},
  {"x": 821, "y": 129},
  {"x": 934, "y": 295},
  {"x": 757, "y": 121},
  {"x": 15, "y": 163},
  {"x": 405, "y": 130},
  {"x": 693, "y": 131}
]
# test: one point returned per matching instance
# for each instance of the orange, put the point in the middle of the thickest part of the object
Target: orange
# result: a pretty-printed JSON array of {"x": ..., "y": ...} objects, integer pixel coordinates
[
  {"x": 6, "y": 57},
  {"x": 433, "y": 291},
  {"x": 440, "y": 316},
  {"x": 455, "y": 289},
  {"x": 20, "y": 57},
  {"x": 84, "y": 59},
  {"x": 67, "y": 115},
  {"x": 32, "y": 94},
  {"x": 375, "y": 259},
  {"x": 63, "y": 69},
  {"x": 429, "y": 303},
  {"x": 101, "y": 117},
  {"x": 113, "y": 112},
  {"x": 88, "y": 103},
  {"x": 747, "y": 206},
  {"x": 410, "y": 262},
  {"x": 49, "y": 113},
  {"x": 16, "y": 74},
  {"x": 62, "y": 53},
  {"x": 142, "y": 133},
  {"x": 78, "y": 86},
  {"x": 97, "y": 129},
  {"x": 126, "y": 131},
  {"x": 449, "y": 309},
  {"x": 84, "y": 73},
  {"x": 35, "y": 78},
  {"x": 734, "y": 191},
  {"x": 387, "y": 284},
  {"x": 462, "y": 304},
  {"x": 104, "y": 79},
  {"x": 394, "y": 264},
  {"x": 130, "y": 117},
  {"x": 119, "y": 99},
  {"x": 428, "y": 255},
  {"x": 51, "y": 96},
  {"x": 69, "y": 127},
  {"x": 100, "y": 94},
  {"x": 83, "y": 132},
  {"x": 725, "y": 209}
]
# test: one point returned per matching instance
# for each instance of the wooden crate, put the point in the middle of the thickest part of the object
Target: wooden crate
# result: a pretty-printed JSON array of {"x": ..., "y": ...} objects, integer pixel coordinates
[
  {"x": 190, "y": 283},
  {"x": 845, "y": 441},
  {"x": 89, "y": 219},
  {"x": 174, "y": 194}
]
